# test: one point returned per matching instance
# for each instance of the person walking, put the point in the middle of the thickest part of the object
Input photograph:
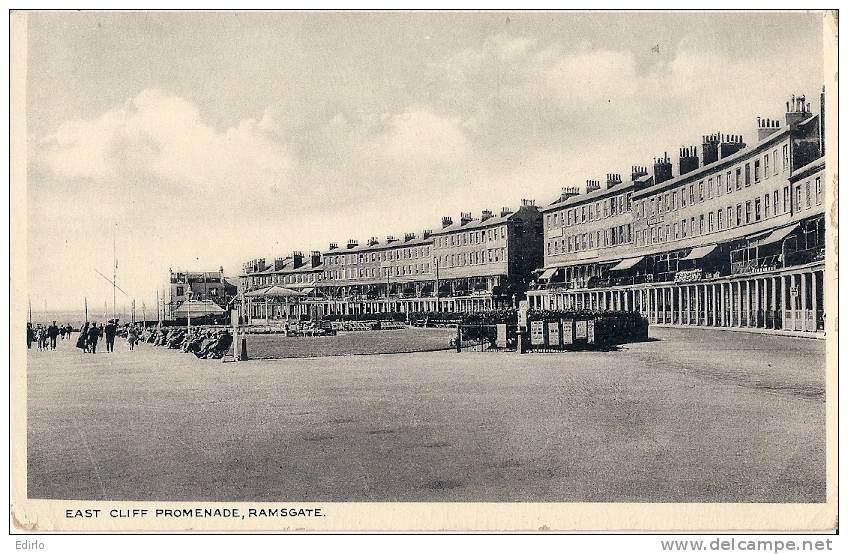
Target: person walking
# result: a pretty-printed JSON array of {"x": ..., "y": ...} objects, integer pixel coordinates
[
  {"x": 30, "y": 336},
  {"x": 132, "y": 336},
  {"x": 82, "y": 341},
  {"x": 109, "y": 331},
  {"x": 93, "y": 337},
  {"x": 52, "y": 334}
]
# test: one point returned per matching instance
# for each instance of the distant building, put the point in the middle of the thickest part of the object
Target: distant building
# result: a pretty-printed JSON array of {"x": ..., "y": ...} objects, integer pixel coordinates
[
  {"x": 470, "y": 265},
  {"x": 202, "y": 285}
]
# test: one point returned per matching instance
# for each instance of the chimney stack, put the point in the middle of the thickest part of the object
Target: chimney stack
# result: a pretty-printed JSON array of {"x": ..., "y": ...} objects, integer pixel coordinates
[
  {"x": 426, "y": 233},
  {"x": 525, "y": 202},
  {"x": 279, "y": 263},
  {"x": 315, "y": 258},
  {"x": 729, "y": 145},
  {"x": 352, "y": 243},
  {"x": 447, "y": 221},
  {"x": 592, "y": 185},
  {"x": 662, "y": 169},
  {"x": 709, "y": 148},
  {"x": 613, "y": 179},
  {"x": 485, "y": 214},
  {"x": 637, "y": 171},
  {"x": 568, "y": 192},
  {"x": 797, "y": 109},
  {"x": 334, "y": 246},
  {"x": 505, "y": 211},
  {"x": 390, "y": 239},
  {"x": 408, "y": 237},
  {"x": 766, "y": 127},
  {"x": 297, "y": 259},
  {"x": 465, "y": 218},
  {"x": 688, "y": 160}
]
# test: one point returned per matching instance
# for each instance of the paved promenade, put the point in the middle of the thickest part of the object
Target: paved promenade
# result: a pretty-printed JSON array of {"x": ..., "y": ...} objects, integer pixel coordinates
[{"x": 695, "y": 415}]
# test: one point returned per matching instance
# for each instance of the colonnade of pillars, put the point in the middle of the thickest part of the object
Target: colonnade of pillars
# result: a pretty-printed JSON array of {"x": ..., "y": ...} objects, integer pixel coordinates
[
  {"x": 260, "y": 310},
  {"x": 792, "y": 300}
]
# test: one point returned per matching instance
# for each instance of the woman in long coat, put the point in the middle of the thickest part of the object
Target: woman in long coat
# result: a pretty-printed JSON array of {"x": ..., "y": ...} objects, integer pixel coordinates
[{"x": 82, "y": 341}]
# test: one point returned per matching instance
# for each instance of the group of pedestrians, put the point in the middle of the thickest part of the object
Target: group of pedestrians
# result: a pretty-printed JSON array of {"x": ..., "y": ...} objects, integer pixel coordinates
[
  {"x": 91, "y": 334},
  {"x": 45, "y": 337}
]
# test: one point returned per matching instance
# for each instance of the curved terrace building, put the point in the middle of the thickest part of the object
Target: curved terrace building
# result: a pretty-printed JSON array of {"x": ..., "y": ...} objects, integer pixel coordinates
[{"x": 735, "y": 239}]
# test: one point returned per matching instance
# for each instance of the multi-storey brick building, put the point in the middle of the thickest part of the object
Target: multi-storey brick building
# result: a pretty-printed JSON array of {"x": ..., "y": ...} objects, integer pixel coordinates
[
  {"x": 474, "y": 264},
  {"x": 736, "y": 238}
]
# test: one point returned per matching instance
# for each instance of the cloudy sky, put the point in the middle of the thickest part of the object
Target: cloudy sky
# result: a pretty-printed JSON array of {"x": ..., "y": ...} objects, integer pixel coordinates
[{"x": 210, "y": 139}]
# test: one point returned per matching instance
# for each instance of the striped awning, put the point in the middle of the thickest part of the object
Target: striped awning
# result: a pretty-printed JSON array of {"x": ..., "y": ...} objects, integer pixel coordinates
[
  {"x": 627, "y": 263},
  {"x": 777, "y": 235},
  {"x": 548, "y": 273},
  {"x": 256, "y": 293},
  {"x": 699, "y": 252}
]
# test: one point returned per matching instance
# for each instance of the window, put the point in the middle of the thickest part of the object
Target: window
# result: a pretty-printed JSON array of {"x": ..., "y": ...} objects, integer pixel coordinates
[
  {"x": 180, "y": 291},
  {"x": 729, "y": 211},
  {"x": 692, "y": 229},
  {"x": 818, "y": 191},
  {"x": 691, "y": 194},
  {"x": 785, "y": 157},
  {"x": 787, "y": 200},
  {"x": 701, "y": 224},
  {"x": 738, "y": 178},
  {"x": 729, "y": 183},
  {"x": 797, "y": 197},
  {"x": 747, "y": 212},
  {"x": 719, "y": 189},
  {"x": 766, "y": 205},
  {"x": 747, "y": 175},
  {"x": 776, "y": 201},
  {"x": 710, "y": 187},
  {"x": 774, "y": 161},
  {"x": 676, "y": 231},
  {"x": 711, "y": 222},
  {"x": 720, "y": 220},
  {"x": 701, "y": 191},
  {"x": 683, "y": 197},
  {"x": 757, "y": 213},
  {"x": 674, "y": 200},
  {"x": 738, "y": 215},
  {"x": 756, "y": 171},
  {"x": 766, "y": 166},
  {"x": 683, "y": 227},
  {"x": 809, "y": 195}
]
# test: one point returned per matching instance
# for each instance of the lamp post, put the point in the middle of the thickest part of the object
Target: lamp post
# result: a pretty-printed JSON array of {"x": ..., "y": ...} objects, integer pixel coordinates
[{"x": 188, "y": 327}]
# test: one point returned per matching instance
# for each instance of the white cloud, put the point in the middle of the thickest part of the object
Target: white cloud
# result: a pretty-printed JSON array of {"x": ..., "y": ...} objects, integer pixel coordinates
[{"x": 165, "y": 136}]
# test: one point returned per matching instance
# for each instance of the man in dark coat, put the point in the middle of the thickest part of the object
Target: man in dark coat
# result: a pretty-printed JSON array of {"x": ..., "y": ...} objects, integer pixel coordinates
[
  {"x": 52, "y": 333},
  {"x": 109, "y": 331},
  {"x": 93, "y": 336}
]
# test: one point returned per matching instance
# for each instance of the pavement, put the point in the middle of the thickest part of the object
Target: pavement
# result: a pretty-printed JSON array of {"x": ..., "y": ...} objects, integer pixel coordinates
[{"x": 693, "y": 415}]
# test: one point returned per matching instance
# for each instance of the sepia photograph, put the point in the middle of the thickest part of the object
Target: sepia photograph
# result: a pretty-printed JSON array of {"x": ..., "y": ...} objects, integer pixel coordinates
[{"x": 423, "y": 271}]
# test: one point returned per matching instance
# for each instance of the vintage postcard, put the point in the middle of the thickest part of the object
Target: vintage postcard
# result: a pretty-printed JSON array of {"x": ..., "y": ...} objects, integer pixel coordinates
[{"x": 423, "y": 271}]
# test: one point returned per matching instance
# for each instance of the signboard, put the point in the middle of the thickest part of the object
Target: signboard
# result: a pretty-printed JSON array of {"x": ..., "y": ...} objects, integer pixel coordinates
[
  {"x": 590, "y": 331},
  {"x": 580, "y": 331},
  {"x": 567, "y": 331},
  {"x": 553, "y": 333},
  {"x": 794, "y": 290},
  {"x": 500, "y": 341},
  {"x": 523, "y": 308},
  {"x": 537, "y": 333}
]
